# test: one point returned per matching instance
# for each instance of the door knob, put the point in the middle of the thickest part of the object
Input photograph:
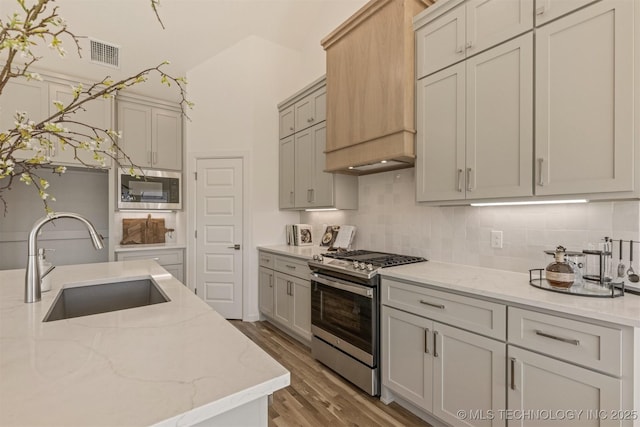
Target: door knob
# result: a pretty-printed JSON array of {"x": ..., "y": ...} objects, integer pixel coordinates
[{"x": 236, "y": 247}]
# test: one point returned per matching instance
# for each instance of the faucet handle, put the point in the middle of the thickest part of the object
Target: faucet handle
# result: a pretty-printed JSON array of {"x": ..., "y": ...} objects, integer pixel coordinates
[{"x": 42, "y": 252}]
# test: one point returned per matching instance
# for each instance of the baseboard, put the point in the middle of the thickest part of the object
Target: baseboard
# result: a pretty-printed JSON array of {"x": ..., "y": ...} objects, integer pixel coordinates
[{"x": 387, "y": 396}]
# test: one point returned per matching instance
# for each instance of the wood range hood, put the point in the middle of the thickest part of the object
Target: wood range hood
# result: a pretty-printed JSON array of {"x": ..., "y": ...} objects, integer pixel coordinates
[{"x": 371, "y": 89}]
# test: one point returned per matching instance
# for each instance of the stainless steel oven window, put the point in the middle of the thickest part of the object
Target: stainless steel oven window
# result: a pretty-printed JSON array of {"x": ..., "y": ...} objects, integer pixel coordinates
[{"x": 347, "y": 315}]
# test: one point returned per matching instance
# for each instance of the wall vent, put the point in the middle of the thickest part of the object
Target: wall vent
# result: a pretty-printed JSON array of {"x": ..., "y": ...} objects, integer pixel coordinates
[{"x": 105, "y": 53}]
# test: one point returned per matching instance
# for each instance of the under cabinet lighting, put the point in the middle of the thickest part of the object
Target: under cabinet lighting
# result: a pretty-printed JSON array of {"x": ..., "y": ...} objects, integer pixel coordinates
[
  {"x": 152, "y": 211},
  {"x": 533, "y": 202},
  {"x": 321, "y": 209}
]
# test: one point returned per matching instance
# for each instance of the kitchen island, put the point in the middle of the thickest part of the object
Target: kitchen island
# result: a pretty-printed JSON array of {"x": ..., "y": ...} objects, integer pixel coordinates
[{"x": 173, "y": 363}]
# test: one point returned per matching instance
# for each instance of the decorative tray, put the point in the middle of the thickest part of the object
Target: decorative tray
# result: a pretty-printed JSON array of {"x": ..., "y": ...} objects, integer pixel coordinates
[{"x": 585, "y": 289}]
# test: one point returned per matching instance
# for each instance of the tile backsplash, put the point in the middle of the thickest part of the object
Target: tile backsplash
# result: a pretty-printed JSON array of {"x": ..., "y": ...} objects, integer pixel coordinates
[{"x": 389, "y": 219}]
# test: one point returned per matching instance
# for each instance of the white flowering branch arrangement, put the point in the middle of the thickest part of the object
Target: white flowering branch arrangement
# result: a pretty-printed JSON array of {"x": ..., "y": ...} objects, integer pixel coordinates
[{"x": 34, "y": 139}]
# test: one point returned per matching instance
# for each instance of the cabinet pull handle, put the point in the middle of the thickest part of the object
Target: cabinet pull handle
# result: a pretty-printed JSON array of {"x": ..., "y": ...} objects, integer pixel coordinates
[
  {"x": 435, "y": 343},
  {"x": 155, "y": 157},
  {"x": 309, "y": 195},
  {"x": 540, "y": 180},
  {"x": 149, "y": 159},
  {"x": 540, "y": 11},
  {"x": 460, "y": 49},
  {"x": 557, "y": 338},
  {"x": 291, "y": 197},
  {"x": 513, "y": 373},
  {"x": 431, "y": 304},
  {"x": 288, "y": 287},
  {"x": 469, "y": 44},
  {"x": 271, "y": 280},
  {"x": 426, "y": 341},
  {"x": 460, "y": 180},
  {"x": 469, "y": 187},
  {"x": 313, "y": 195},
  {"x": 293, "y": 267}
]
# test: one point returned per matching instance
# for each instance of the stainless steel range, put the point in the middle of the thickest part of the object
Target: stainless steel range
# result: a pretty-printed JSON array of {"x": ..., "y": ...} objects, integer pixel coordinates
[{"x": 345, "y": 307}]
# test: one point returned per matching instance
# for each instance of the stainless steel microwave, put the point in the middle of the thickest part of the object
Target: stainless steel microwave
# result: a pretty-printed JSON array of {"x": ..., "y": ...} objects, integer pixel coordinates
[{"x": 153, "y": 190}]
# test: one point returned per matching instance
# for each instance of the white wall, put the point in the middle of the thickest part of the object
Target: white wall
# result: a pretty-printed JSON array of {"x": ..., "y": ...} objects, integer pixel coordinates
[
  {"x": 236, "y": 94},
  {"x": 389, "y": 219}
]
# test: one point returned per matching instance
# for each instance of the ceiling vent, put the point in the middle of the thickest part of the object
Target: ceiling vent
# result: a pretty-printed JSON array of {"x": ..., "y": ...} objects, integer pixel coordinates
[{"x": 105, "y": 53}]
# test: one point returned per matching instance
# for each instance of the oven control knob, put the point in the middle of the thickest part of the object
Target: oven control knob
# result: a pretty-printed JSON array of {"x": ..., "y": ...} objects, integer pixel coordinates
[
  {"x": 355, "y": 264},
  {"x": 363, "y": 266},
  {"x": 370, "y": 267}
]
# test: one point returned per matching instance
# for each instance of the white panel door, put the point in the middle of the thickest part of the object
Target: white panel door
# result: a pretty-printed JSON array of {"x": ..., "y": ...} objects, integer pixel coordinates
[
  {"x": 219, "y": 211},
  {"x": 584, "y": 101}
]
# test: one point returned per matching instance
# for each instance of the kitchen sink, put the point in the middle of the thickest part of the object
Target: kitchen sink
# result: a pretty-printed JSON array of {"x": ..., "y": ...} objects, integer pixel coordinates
[{"x": 105, "y": 297}]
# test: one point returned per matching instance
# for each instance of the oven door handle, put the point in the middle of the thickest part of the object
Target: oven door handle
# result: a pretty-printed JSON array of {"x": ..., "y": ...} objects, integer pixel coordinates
[{"x": 349, "y": 287}]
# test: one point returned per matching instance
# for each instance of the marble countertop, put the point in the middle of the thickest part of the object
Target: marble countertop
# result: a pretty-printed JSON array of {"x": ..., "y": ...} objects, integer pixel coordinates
[
  {"x": 174, "y": 363},
  {"x": 512, "y": 287},
  {"x": 149, "y": 247},
  {"x": 302, "y": 252}
]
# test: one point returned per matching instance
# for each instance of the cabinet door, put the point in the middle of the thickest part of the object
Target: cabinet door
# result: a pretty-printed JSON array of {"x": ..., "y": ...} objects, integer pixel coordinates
[
  {"x": 499, "y": 120},
  {"x": 322, "y": 182},
  {"x": 134, "y": 121},
  {"x": 31, "y": 97},
  {"x": 265, "y": 291},
  {"x": 166, "y": 139},
  {"x": 176, "y": 271},
  {"x": 311, "y": 110},
  {"x": 490, "y": 22},
  {"x": 301, "y": 307},
  {"x": 441, "y": 42},
  {"x": 584, "y": 101},
  {"x": 287, "y": 122},
  {"x": 406, "y": 359},
  {"x": 282, "y": 299},
  {"x": 286, "y": 172},
  {"x": 468, "y": 374},
  {"x": 440, "y": 146},
  {"x": 303, "y": 168},
  {"x": 96, "y": 113},
  {"x": 548, "y": 10},
  {"x": 540, "y": 383}
]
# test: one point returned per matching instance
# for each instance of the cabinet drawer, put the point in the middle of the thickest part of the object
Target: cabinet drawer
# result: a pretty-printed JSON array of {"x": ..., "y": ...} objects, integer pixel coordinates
[
  {"x": 583, "y": 343},
  {"x": 292, "y": 266},
  {"x": 482, "y": 317},
  {"x": 265, "y": 259},
  {"x": 164, "y": 257}
]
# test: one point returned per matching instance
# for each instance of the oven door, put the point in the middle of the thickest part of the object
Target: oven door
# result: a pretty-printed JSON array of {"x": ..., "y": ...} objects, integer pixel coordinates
[{"x": 344, "y": 314}]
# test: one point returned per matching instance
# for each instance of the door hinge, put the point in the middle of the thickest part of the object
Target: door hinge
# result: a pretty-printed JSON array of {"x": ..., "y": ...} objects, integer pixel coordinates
[
  {"x": 195, "y": 291},
  {"x": 196, "y": 175},
  {"x": 195, "y": 234}
]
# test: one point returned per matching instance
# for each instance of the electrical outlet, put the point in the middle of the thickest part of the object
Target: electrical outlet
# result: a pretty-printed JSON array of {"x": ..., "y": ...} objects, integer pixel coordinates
[{"x": 496, "y": 239}]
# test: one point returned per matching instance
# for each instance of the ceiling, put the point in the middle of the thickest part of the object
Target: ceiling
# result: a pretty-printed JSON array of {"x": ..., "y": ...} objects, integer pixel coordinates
[{"x": 195, "y": 30}]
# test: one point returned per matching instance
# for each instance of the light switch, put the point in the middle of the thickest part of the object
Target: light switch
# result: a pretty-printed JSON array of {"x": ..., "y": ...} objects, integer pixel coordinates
[{"x": 496, "y": 239}]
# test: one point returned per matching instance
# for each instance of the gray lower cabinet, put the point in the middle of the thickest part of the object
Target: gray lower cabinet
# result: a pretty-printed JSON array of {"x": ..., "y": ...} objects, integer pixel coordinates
[
  {"x": 285, "y": 293},
  {"x": 473, "y": 362},
  {"x": 171, "y": 260},
  {"x": 442, "y": 369}
]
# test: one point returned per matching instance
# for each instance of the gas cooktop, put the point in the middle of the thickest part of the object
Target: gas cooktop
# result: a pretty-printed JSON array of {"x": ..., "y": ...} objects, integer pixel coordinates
[{"x": 360, "y": 263}]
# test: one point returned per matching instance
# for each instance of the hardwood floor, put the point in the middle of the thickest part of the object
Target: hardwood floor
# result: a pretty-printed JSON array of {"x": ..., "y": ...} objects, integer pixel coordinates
[{"x": 317, "y": 396}]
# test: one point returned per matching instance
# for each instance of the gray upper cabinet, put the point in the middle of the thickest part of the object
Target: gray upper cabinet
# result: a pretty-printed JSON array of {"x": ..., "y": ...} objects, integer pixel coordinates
[
  {"x": 475, "y": 130},
  {"x": 97, "y": 112},
  {"x": 303, "y": 182},
  {"x": 311, "y": 110},
  {"x": 452, "y": 31},
  {"x": 31, "y": 97},
  {"x": 548, "y": 10},
  {"x": 585, "y": 101},
  {"x": 286, "y": 172},
  {"x": 287, "y": 123},
  {"x": 151, "y": 135}
]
